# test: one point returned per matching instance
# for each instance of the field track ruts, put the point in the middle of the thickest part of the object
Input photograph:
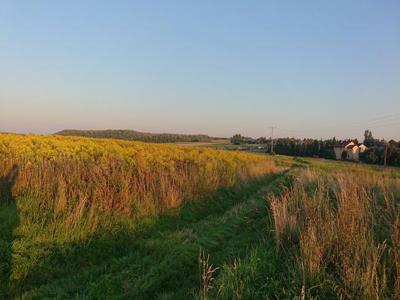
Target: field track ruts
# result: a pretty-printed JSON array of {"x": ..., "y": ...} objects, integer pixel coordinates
[{"x": 161, "y": 261}]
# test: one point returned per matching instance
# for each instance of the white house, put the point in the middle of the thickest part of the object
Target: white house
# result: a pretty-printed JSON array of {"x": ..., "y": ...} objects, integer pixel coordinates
[
  {"x": 349, "y": 151},
  {"x": 362, "y": 148}
]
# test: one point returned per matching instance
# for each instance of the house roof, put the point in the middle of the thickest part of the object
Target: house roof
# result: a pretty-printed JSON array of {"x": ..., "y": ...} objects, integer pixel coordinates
[{"x": 351, "y": 146}]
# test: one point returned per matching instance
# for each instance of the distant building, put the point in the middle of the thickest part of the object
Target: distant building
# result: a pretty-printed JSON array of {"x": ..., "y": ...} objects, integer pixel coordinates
[
  {"x": 362, "y": 148},
  {"x": 349, "y": 151}
]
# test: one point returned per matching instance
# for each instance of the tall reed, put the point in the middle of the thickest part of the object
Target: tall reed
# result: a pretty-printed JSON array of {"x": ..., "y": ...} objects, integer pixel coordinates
[{"x": 344, "y": 229}]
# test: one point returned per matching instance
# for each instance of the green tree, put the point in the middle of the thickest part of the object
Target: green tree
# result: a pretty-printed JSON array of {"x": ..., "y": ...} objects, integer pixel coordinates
[
  {"x": 368, "y": 138},
  {"x": 237, "y": 139}
]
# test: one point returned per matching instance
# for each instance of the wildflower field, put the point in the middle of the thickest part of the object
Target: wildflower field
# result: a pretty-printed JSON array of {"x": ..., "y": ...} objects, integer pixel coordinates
[
  {"x": 105, "y": 219},
  {"x": 60, "y": 195},
  {"x": 76, "y": 176}
]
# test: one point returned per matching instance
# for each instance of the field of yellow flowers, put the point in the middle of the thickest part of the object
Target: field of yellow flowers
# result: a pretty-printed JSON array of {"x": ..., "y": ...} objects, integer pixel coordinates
[{"x": 74, "y": 176}]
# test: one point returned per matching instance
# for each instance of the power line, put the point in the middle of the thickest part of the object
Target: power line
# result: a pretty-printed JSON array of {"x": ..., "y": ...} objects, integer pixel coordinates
[
  {"x": 382, "y": 121},
  {"x": 383, "y": 117},
  {"x": 390, "y": 124},
  {"x": 390, "y": 117},
  {"x": 389, "y": 120}
]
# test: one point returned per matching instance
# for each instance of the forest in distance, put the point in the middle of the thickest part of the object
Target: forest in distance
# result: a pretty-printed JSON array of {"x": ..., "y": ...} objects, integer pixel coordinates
[{"x": 133, "y": 135}]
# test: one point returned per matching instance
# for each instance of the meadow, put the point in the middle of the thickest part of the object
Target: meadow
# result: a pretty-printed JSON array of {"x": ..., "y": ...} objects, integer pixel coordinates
[
  {"x": 105, "y": 219},
  {"x": 340, "y": 225},
  {"x": 78, "y": 176},
  {"x": 57, "y": 190}
]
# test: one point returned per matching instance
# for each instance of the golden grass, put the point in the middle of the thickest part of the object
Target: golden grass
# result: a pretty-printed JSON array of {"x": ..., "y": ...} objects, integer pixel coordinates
[
  {"x": 74, "y": 176},
  {"x": 344, "y": 227}
]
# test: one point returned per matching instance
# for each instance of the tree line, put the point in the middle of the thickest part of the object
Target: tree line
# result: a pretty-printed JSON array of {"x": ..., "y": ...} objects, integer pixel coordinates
[
  {"x": 325, "y": 148},
  {"x": 134, "y": 135}
]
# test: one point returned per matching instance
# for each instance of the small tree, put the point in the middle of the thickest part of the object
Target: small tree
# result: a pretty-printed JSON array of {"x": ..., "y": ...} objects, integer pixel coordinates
[
  {"x": 261, "y": 140},
  {"x": 370, "y": 156},
  {"x": 368, "y": 138},
  {"x": 237, "y": 139}
]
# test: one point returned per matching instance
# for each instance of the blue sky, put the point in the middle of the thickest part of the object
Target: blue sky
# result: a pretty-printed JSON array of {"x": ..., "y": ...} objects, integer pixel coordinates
[{"x": 311, "y": 68}]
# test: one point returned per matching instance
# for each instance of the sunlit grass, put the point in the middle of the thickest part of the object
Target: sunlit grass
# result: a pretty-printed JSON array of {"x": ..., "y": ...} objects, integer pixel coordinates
[
  {"x": 73, "y": 176},
  {"x": 115, "y": 219},
  {"x": 343, "y": 227}
]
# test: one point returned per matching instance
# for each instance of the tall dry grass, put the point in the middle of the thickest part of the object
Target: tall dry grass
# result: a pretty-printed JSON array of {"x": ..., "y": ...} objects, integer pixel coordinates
[
  {"x": 343, "y": 227},
  {"x": 73, "y": 177}
]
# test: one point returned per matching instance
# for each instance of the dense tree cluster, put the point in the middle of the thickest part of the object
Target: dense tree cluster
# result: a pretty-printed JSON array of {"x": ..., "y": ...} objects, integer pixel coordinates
[
  {"x": 292, "y": 146},
  {"x": 238, "y": 139},
  {"x": 376, "y": 151},
  {"x": 305, "y": 147},
  {"x": 137, "y": 136}
]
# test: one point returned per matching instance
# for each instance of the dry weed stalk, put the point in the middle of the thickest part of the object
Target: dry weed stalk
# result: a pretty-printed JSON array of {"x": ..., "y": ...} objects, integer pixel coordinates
[
  {"x": 285, "y": 219},
  {"x": 206, "y": 271},
  {"x": 395, "y": 236}
]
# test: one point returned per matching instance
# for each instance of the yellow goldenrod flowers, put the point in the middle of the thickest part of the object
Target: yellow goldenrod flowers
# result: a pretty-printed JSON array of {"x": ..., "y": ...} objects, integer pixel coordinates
[{"x": 73, "y": 176}]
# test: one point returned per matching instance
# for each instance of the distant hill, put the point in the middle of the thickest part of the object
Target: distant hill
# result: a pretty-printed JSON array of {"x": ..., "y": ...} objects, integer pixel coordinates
[{"x": 133, "y": 135}]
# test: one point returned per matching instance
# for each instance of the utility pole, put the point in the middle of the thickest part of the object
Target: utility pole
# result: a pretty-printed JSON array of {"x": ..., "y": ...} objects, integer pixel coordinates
[
  {"x": 272, "y": 138},
  {"x": 385, "y": 156}
]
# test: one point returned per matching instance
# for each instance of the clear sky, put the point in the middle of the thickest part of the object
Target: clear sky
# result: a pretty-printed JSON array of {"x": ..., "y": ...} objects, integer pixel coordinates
[{"x": 311, "y": 68}]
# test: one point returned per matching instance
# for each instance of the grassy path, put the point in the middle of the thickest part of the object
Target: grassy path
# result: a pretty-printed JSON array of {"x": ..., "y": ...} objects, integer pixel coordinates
[{"x": 159, "y": 260}]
